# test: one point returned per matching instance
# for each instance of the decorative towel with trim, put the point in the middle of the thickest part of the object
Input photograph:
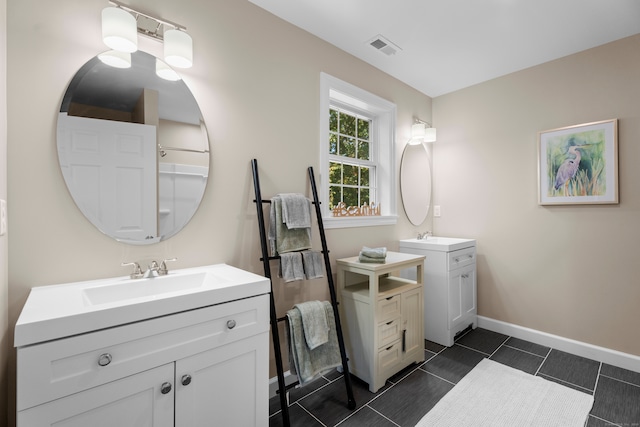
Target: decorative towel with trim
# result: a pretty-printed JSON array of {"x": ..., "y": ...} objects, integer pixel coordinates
[
  {"x": 313, "y": 261},
  {"x": 281, "y": 238},
  {"x": 308, "y": 363},
  {"x": 291, "y": 267}
]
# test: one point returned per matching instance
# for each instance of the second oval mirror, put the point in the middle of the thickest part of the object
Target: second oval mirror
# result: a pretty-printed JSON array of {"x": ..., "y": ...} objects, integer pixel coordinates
[
  {"x": 133, "y": 149},
  {"x": 415, "y": 182}
]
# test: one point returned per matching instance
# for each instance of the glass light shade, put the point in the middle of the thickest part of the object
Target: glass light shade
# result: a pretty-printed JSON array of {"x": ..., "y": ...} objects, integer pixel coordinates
[
  {"x": 165, "y": 72},
  {"x": 116, "y": 58},
  {"x": 417, "y": 134},
  {"x": 178, "y": 49},
  {"x": 430, "y": 135},
  {"x": 119, "y": 29}
]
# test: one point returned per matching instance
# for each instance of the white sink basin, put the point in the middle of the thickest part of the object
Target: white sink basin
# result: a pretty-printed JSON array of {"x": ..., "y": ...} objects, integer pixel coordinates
[
  {"x": 155, "y": 287},
  {"x": 58, "y": 311},
  {"x": 443, "y": 244}
]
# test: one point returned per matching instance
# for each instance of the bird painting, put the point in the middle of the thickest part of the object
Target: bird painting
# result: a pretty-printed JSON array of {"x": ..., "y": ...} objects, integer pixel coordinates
[{"x": 568, "y": 169}]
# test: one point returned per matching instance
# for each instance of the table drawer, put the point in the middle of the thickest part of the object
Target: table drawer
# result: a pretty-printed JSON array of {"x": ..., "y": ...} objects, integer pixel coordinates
[
  {"x": 460, "y": 258},
  {"x": 389, "y": 332},
  {"x": 388, "y": 308},
  {"x": 58, "y": 368}
]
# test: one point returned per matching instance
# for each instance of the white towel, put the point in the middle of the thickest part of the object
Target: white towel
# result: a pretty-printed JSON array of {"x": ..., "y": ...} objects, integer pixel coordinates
[
  {"x": 313, "y": 261},
  {"x": 291, "y": 268},
  {"x": 296, "y": 210},
  {"x": 314, "y": 323}
]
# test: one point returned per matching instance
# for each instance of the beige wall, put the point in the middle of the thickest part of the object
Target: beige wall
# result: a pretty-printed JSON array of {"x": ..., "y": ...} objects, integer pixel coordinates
[
  {"x": 4, "y": 287},
  {"x": 566, "y": 270},
  {"x": 256, "y": 79}
]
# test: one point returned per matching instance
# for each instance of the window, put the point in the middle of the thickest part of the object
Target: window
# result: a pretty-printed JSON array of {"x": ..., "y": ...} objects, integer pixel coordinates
[{"x": 357, "y": 154}]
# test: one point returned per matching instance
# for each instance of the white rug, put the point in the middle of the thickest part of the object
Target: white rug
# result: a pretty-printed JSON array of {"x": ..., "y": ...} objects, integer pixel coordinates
[{"x": 493, "y": 394}]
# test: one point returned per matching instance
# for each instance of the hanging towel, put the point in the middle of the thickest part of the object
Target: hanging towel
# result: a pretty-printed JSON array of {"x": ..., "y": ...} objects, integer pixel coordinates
[
  {"x": 314, "y": 323},
  {"x": 282, "y": 239},
  {"x": 291, "y": 267},
  {"x": 296, "y": 210},
  {"x": 313, "y": 261},
  {"x": 306, "y": 363}
]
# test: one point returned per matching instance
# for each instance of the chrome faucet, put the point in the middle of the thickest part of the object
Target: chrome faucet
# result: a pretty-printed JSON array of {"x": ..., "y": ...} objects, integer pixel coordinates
[
  {"x": 424, "y": 235},
  {"x": 153, "y": 270},
  {"x": 163, "y": 270},
  {"x": 137, "y": 271}
]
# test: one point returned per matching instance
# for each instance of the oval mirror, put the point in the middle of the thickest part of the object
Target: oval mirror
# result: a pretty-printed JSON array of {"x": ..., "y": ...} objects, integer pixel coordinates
[
  {"x": 133, "y": 149},
  {"x": 415, "y": 182}
]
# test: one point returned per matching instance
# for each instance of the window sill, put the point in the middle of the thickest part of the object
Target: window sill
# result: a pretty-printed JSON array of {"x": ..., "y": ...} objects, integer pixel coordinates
[{"x": 358, "y": 221}]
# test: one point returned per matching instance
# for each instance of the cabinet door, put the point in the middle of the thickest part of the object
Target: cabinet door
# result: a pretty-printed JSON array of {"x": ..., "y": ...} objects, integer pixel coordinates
[
  {"x": 226, "y": 386},
  {"x": 413, "y": 321},
  {"x": 136, "y": 401},
  {"x": 462, "y": 295}
]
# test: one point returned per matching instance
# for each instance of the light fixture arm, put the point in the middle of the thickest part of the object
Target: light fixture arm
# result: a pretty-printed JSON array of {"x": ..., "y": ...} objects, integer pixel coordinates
[{"x": 137, "y": 13}]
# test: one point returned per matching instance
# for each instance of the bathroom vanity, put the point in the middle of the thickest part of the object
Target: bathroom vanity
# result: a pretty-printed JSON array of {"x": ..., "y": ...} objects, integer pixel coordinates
[
  {"x": 178, "y": 350},
  {"x": 383, "y": 315},
  {"x": 450, "y": 286}
]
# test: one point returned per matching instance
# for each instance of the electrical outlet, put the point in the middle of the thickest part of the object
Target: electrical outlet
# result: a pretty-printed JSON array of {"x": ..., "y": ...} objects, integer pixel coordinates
[
  {"x": 3, "y": 217},
  {"x": 436, "y": 211}
]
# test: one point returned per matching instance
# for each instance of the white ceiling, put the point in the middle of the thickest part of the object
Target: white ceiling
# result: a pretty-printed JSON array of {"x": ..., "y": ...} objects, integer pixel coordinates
[{"x": 447, "y": 45}]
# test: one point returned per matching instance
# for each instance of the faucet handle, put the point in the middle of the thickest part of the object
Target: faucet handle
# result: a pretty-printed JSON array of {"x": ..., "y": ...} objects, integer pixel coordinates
[
  {"x": 163, "y": 270},
  {"x": 137, "y": 271}
]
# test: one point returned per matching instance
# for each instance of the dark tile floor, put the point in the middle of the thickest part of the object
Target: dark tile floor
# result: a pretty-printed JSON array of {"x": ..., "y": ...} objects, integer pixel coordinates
[{"x": 410, "y": 394}]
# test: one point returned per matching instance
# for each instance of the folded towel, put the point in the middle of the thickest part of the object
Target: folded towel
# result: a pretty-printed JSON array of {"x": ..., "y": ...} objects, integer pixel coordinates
[
  {"x": 296, "y": 210},
  {"x": 306, "y": 363},
  {"x": 314, "y": 323},
  {"x": 313, "y": 261},
  {"x": 291, "y": 267},
  {"x": 374, "y": 252},
  {"x": 282, "y": 239},
  {"x": 363, "y": 258}
]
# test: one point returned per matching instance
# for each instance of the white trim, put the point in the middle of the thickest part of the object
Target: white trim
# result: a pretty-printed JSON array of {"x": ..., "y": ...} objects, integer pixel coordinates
[
  {"x": 332, "y": 88},
  {"x": 579, "y": 348}
]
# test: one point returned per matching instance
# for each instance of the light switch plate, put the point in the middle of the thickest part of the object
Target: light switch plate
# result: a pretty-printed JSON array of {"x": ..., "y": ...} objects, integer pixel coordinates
[
  {"x": 3, "y": 217},
  {"x": 436, "y": 211}
]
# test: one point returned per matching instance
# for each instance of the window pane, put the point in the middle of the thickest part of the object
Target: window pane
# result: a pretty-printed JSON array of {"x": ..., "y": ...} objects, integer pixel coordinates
[
  {"x": 364, "y": 196},
  {"x": 363, "y": 150},
  {"x": 333, "y": 120},
  {"x": 334, "y": 196},
  {"x": 335, "y": 173},
  {"x": 363, "y": 129},
  {"x": 347, "y": 124},
  {"x": 350, "y": 176},
  {"x": 333, "y": 143},
  {"x": 364, "y": 177},
  {"x": 351, "y": 196},
  {"x": 347, "y": 147}
]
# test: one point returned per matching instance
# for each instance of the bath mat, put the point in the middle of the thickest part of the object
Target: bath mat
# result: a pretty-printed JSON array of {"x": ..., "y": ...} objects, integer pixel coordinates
[{"x": 493, "y": 394}]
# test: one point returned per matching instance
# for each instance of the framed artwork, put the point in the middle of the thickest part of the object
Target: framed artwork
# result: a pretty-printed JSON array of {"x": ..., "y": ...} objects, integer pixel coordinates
[{"x": 579, "y": 164}]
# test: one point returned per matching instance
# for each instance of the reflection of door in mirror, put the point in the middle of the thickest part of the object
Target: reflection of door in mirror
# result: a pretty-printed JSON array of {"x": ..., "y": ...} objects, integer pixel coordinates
[
  {"x": 112, "y": 168},
  {"x": 415, "y": 182}
]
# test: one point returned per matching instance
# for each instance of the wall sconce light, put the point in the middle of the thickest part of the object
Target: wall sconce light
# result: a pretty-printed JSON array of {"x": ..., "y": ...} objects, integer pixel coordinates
[
  {"x": 422, "y": 132},
  {"x": 120, "y": 25}
]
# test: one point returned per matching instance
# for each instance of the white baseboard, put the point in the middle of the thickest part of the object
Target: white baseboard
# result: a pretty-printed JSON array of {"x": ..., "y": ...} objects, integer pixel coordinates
[
  {"x": 601, "y": 354},
  {"x": 273, "y": 383}
]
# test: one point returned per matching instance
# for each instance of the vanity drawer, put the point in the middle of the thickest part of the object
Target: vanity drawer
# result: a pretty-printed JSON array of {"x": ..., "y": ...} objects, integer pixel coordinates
[
  {"x": 389, "y": 332},
  {"x": 388, "y": 360},
  {"x": 388, "y": 308},
  {"x": 460, "y": 258},
  {"x": 58, "y": 368}
]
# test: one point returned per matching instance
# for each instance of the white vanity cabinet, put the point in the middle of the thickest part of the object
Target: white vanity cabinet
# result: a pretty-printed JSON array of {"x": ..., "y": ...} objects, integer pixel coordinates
[
  {"x": 188, "y": 369},
  {"x": 450, "y": 285}
]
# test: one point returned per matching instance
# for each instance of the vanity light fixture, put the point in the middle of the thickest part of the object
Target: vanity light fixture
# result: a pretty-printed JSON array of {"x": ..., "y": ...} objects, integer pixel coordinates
[
  {"x": 116, "y": 59},
  {"x": 121, "y": 23},
  {"x": 422, "y": 132}
]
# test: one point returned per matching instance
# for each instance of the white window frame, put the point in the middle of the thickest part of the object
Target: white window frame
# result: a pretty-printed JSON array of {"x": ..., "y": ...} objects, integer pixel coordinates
[{"x": 335, "y": 92}]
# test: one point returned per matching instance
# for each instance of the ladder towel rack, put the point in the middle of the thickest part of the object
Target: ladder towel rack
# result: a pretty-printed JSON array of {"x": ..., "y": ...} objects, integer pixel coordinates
[{"x": 282, "y": 387}]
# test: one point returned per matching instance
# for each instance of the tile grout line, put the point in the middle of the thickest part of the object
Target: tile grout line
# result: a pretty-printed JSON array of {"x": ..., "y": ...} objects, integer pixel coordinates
[
  {"x": 500, "y": 346},
  {"x": 524, "y": 351},
  {"x": 619, "y": 380},
  {"x": 544, "y": 359}
]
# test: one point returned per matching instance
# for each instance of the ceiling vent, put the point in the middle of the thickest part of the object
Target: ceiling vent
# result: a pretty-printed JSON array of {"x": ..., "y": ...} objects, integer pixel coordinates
[{"x": 384, "y": 45}]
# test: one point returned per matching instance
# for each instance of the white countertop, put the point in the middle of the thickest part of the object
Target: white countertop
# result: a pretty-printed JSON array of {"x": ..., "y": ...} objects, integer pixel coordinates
[
  {"x": 434, "y": 243},
  {"x": 58, "y": 311}
]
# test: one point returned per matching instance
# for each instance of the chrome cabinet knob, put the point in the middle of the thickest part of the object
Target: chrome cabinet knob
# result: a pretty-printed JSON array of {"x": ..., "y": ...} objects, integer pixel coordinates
[
  {"x": 104, "y": 359},
  {"x": 231, "y": 324},
  {"x": 165, "y": 388},
  {"x": 186, "y": 379}
]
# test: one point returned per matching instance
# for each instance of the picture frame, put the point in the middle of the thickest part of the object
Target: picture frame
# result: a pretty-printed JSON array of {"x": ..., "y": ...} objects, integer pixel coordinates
[{"x": 579, "y": 164}]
